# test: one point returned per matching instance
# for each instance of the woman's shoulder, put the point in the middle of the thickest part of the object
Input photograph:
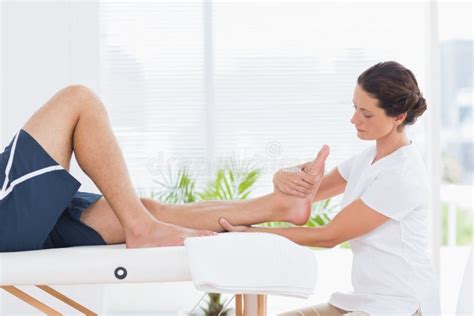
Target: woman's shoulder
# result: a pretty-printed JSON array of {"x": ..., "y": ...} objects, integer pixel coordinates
[
  {"x": 408, "y": 167},
  {"x": 412, "y": 160}
]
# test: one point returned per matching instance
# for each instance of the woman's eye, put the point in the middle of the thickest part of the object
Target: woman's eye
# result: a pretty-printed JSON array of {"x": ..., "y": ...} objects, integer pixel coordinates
[{"x": 365, "y": 115}]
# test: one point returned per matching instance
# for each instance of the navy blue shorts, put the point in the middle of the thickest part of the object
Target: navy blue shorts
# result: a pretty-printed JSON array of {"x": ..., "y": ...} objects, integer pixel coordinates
[{"x": 40, "y": 206}]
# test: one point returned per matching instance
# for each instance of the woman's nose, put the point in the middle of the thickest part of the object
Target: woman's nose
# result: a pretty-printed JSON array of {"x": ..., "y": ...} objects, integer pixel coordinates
[{"x": 354, "y": 118}]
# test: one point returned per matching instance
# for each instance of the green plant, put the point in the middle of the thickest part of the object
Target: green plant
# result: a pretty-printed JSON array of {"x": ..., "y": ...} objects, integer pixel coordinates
[
  {"x": 214, "y": 306},
  {"x": 229, "y": 185},
  {"x": 176, "y": 189},
  {"x": 465, "y": 226}
]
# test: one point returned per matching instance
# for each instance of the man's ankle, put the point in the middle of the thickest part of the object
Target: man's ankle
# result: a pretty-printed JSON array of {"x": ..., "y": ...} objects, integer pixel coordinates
[{"x": 138, "y": 226}]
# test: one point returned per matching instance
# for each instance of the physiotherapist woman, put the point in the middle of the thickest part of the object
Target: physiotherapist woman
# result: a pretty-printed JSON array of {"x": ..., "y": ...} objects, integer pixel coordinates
[{"x": 384, "y": 213}]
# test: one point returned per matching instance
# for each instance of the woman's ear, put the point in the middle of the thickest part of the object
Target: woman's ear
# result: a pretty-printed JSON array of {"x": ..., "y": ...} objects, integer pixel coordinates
[{"x": 400, "y": 118}]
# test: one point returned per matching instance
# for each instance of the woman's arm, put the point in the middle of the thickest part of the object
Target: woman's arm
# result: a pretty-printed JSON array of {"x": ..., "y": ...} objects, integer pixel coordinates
[
  {"x": 331, "y": 185},
  {"x": 354, "y": 220}
]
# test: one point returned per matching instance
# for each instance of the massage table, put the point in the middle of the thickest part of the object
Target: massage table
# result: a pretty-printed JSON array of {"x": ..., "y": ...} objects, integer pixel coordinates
[{"x": 248, "y": 265}]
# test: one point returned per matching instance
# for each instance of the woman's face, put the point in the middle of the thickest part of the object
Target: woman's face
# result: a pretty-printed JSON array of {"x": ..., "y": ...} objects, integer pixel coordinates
[{"x": 370, "y": 121}]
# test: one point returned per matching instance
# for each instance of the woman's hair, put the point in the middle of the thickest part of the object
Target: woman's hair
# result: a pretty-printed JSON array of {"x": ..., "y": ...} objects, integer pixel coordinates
[{"x": 396, "y": 89}]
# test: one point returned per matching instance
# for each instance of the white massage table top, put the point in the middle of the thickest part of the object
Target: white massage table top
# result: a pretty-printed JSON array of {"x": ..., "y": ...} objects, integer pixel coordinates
[
  {"x": 94, "y": 264},
  {"x": 244, "y": 263}
]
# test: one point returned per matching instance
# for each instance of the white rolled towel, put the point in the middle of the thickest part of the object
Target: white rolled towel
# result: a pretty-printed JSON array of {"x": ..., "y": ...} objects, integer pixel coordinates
[{"x": 251, "y": 263}]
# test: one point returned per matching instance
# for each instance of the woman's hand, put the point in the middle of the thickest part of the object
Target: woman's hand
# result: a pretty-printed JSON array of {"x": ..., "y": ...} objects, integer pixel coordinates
[
  {"x": 296, "y": 183},
  {"x": 304, "y": 182},
  {"x": 235, "y": 229}
]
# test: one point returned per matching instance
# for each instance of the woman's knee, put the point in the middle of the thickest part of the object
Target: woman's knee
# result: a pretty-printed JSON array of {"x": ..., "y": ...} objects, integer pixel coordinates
[
  {"x": 318, "y": 310},
  {"x": 308, "y": 311}
]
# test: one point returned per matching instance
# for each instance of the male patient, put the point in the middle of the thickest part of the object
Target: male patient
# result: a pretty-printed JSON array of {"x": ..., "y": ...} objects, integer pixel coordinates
[{"x": 40, "y": 206}]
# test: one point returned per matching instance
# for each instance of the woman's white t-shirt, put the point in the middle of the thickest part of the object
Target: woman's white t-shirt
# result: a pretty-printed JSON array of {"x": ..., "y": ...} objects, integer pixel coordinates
[{"x": 392, "y": 272}]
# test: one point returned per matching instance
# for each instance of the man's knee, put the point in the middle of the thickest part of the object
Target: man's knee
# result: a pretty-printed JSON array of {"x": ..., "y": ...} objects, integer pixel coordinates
[
  {"x": 76, "y": 91},
  {"x": 82, "y": 96}
]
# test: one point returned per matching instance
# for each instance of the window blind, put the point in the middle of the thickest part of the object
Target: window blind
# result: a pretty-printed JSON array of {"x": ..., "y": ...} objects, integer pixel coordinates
[
  {"x": 283, "y": 75},
  {"x": 152, "y": 82}
]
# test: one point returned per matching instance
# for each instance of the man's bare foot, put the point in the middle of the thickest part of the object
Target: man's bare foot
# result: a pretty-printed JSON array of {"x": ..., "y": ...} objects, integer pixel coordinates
[
  {"x": 316, "y": 169},
  {"x": 298, "y": 210},
  {"x": 159, "y": 234}
]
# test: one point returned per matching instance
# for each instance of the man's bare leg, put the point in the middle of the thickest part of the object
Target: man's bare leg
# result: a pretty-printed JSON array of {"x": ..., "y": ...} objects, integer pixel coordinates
[
  {"x": 205, "y": 215},
  {"x": 75, "y": 120}
]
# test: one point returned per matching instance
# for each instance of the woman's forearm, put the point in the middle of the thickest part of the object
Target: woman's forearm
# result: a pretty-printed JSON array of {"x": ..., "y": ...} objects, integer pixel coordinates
[
  {"x": 305, "y": 236},
  {"x": 354, "y": 220},
  {"x": 332, "y": 185}
]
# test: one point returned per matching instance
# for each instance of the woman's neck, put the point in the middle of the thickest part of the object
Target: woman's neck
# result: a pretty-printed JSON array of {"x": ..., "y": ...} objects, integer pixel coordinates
[{"x": 390, "y": 143}]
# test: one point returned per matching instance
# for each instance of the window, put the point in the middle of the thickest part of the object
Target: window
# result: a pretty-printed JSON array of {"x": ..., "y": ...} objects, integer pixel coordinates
[
  {"x": 151, "y": 74},
  {"x": 262, "y": 80},
  {"x": 457, "y": 142}
]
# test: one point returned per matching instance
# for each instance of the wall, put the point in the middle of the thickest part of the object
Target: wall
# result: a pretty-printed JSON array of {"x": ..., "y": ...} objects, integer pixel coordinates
[{"x": 45, "y": 46}]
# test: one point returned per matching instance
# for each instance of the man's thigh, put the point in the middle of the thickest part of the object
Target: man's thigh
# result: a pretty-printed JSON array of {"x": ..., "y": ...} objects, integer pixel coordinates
[
  {"x": 100, "y": 217},
  {"x": 52, "y": 126}
]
